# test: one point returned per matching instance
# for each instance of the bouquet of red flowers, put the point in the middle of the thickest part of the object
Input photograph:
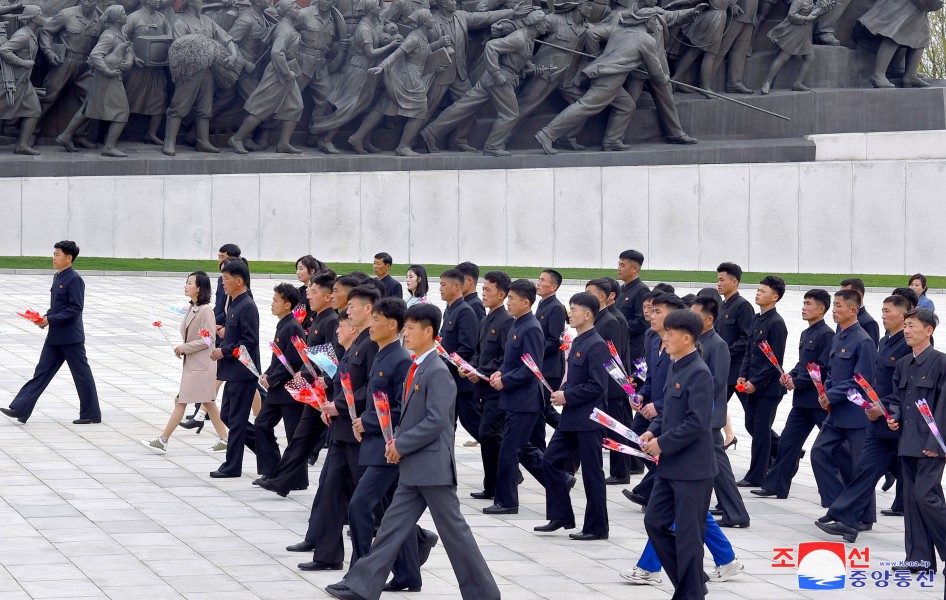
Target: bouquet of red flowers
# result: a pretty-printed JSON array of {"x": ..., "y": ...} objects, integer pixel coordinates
[
  {"x": 349, "y": 395},
  {"x": 208, "y": 339},
  {"x": 383, "y": 408},
  {"x": 243, "y": 355},
  {"x": 31, "y": 315}
]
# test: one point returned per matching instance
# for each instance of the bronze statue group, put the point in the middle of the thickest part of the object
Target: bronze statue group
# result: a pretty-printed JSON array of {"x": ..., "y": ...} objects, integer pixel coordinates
[
  {"x": 396, "y": 378},
  {"x": 427, "y": 68}
]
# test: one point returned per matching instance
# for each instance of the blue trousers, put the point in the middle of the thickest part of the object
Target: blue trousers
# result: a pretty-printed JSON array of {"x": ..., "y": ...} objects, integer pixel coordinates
[{"x": 716, "y": 542}]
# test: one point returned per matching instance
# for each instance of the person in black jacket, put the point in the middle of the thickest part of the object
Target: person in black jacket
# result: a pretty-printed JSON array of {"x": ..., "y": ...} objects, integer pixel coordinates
[
  {"x": 220, "y": 299},
  {"x": 682, "y": 439},
  {"x": 65, "y": 342},
  {"x": 471, "y": 277},
  {"x": 551, "y": 316},
  {"x": 382, "y": 270},
  {"x": 631, "y": 301},
  {"x": 866, "y": 321},
  {"x": 582, "y": 392},
  {"x": 306, "y": 268},
  {"x": 735, "y": 314},
  {"x": 279, "y": 405},
  {"x": 761, "y": 378},
  {"x": 458, "y": 334},
  {"x": 806, "y": 413}
]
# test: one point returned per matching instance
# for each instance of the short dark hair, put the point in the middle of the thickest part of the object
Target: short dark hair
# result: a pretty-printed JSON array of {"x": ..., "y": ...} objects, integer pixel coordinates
[
  {"x": 202, "y": 280},
  {"x": 649, "y": 296},
  {"x": 68, "y": 247},
  {"x": 899, "y": 302},
  {"x": 686, "y": 321},
  {"x": 236, "y": 268},
  {"x": 423, "y": 285},
  {"x": 499, "y": 279},
  {"x": 856, "y": 284},
  {"x": 709, "y": 307},
  {"x": 633, "y": 256},
  {"x": 311, "y": 263},
  {"x": 820, "y": 296},
  {"x": 524, "y": 289},
  {"x": 288, "y": 292},
  {"x": 710, "y": 292},
  {"x": 586, "y": 300},
  {"x": 427, "y": 315},
  {"x": 366, "y": 292},
  {"x": 230, "y": 250},
  {"x": 324, "y": 279},
  {"x": 361, "y": 276},
  {"x": 615, "y": 286},
  {"x": 665, "y": 288},
  {"x": 907, "y": 293},
  {"x": 671, "y": 301},
  {"x": 349, "y": 281},
  {"x": 688, "y": 299},
  {"x": 555, "y": 276},
  {"x": 923, "y": 315},
  {"x": 391, "y": 308},
  {"x": 731, "y": 269},
  {"x": 453, "y": 275},
  {"x": 469, "y": 270},
  {"x": 385, "y": 258},
  {"x": 849, "y": 297},
  {"x": 775, "y": 283},
  {"x": 602, "y": 284},
  {"x": 922, "y": 279}
]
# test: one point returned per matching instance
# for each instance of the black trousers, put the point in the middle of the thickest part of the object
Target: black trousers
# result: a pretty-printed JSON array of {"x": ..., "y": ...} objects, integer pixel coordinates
[
  {"x": 558, "y": 505},
  {"x": 857, "y": 503},
  {"x": 516, "y": 449},
  {"x": 680, "y": 550},
  {"x": 235, "y": 413},
  {"x": 833, "y": 469},
  {"x": 468, "y": 413},
  {"x": 724, "y": 484},
  {"x": 552, "y": 416},
  {"x": 797, "y": 428},
  {"x": 924, "y": 510},
  {"x": 492, "y": 421},
  {"x": 760, "y": 414},
  {"x": 619, "y": 464},
  {"x": 646, "y": 485},
  {"x": 292, "y": 472},
  {"x": 261, "y": 440},
  {"x": 337, "y": 483},
  {"x": 50, "y": 361}
]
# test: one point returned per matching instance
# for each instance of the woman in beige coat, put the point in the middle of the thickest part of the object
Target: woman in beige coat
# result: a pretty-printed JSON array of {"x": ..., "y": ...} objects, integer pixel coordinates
[{"x": 199, "y": 379}]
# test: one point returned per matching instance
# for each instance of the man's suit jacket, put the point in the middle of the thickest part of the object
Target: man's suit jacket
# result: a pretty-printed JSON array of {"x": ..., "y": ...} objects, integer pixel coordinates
[
  {"x": 892, "y": 349},
  {"x": 611, "y": 330},
  {"x": 521, "y": 391},
  {"x": 756, "y": 368},
  {"x": 587, "y": 382},
  {"x": 658, "y": 363},
  {"x": 852, "y": 352},
  {"x": 735, "y": 316},
  {"x": 66, "y": 301},
  {"x": 813, "y": 347},
  {"x": 392, "y": 289},
  {"x": 477, "y": 305},
  {"x": 458, "y": 333},
  {"x": 917, "y": 378},
  {"x": 551, "y": 316},
  {"x": 425, "y": 436},
  {"x": 358, "y": 360},
  {"x": 388, "y": 373},
  {"x": 494, "y": 330},
  {"x": 631, "y": 304},
  {"x": 242, "y": 328},
  {"x": 277, "y": 375},
  {"x": 716, "y": 357}
]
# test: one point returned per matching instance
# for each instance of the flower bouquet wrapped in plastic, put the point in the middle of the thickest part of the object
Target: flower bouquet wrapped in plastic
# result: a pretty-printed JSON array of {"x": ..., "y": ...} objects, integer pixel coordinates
[
  {"x": 383, "y": 408},
  {"x": 243, "y": 355}
]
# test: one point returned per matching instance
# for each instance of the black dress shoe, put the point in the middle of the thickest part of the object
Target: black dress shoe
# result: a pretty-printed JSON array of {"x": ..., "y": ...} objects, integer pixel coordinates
[
  {"x": 259, "y": 480},
  {"x": 481, "y": 495},
  {"x": 635, "y": 497},
  {"x": 219, "y": 475},
  {"x": 848, "y": 533},
  {"x": 636, "y": 472},
  {"x": 716, "y": 512},
  {"x": 268, "y": 486},
  {"x": 731, "y": 525},
  {"x": 586, "y": 537},
  {"x": 342, "y": 592},
  {"x": 745, "y": 483},
  {"x": 764, "y": 493},
  {"x": 395, "y": 587},
  {"x": 825, "y": 519},
  {"x": 889, "y": 480},
  {"x": 87, "y": 421},
  {"x": 317, "y": 565},
  {"x": 13, "y": 414},
  {"x": 424, "y": 547},
  {"x": 499, "y": 509},
  {"x": 865, "y": 526},
  {"x": 617, "y": 480},
  {"x": 520, "y": 480},
  {"x": 303, "y": 546},
  {"x": 889, "y": 512},
  {"x": 570, "y": 482},
  {"x": 554, "y": 525}
]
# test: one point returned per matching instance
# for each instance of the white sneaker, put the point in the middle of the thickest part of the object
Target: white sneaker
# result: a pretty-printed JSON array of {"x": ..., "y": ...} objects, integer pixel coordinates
[
  {"x": 639, "y": 576},
  {"x": 727, "y": 571},
  {"x": 156, "y": 444},
  {"x": 220, "y": 446}
]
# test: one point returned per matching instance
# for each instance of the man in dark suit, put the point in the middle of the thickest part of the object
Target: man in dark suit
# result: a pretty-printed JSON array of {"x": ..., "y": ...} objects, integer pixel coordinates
[
  {"x": 716, "y": 356},
  {"x": 854, "y": 510},
  {"x": 551, "y": 316},
  {"x": 519, "y": 398},
  {"x": 279, "y": 405},
  {"x": 867, "y": 322},
  {"x": 220, "y": 299},
  {"x": 494, "y": 330},
  {"x": 241, "y": 329},
  {"x": 65, "y": 342},
  {"x": 583, "y": 392},
  {"x": 760, "y": 378},
  {"x": 471, "y": 277},
  {"x": 459, "y": 333},
  {"x": 423, "y": 447},
  {"x": 806, "y": 413},
  {"x": 631, "y": 300},
  {"x": 921, "y": 375},
  {"x": 382, "y": 270},
  {"x": 681, "y": 437},
  {"x": 735, "y": 314}
]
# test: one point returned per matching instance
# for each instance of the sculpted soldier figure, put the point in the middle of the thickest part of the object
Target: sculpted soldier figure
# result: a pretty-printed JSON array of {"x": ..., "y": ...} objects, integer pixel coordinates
[
  {"x": 321, "y": 29},
  {"x": 19, "y": 100},
  {"x": 106, "y": 100},
  {"x": 146, "y": 87},
  {"x": 507, "y": 59},
  {"x": 277, "y": 96},
  {"x": 400, "y": 12},
  {"x": 249, "y": 32}
]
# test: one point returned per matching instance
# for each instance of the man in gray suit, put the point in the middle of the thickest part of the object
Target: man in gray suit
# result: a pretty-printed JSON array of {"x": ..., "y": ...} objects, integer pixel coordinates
[{"x": 423, "y": 447}]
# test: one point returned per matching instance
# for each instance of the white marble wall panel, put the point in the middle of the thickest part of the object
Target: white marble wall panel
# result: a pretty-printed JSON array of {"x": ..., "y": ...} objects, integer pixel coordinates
[
  {"x": 188, "y": 217},
  {"x": 674, "y": 215},
  {"x": 924, "y": 241},
  {"x": 824, "y": 217},
  {"x": 45, "y": 208},
  {"x": 385, "y": 215},
  {"x": 335, "y": 204},
  {"x": 235, "y": 202},
  {"x": 283, "y": 224},
  {"x": 894, "y": 145},
  {"x": 577, "y": 211},
  {"x": 529, "y": 217},
  {"x": 482, "y": 210},
  {"x": 434, "y": 217},
  {"x": 624, "y": 213},
  {"x": 724, "y": 214},
  {"x": 92, "y": 219},
  {"x": 139, "y": 217},
  {"x": 11, "y": 217},
  {"x": 877, "y": 221},
  {"x": 773, "y": 218}
]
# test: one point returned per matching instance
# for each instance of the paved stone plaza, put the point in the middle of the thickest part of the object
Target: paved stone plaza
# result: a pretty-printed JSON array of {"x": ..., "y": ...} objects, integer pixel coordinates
[{"x": 87, "y": 512}]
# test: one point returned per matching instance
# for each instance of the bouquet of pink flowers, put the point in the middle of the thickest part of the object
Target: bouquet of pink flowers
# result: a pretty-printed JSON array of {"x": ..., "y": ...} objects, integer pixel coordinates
[
  {"x": 924, "y": 409},
  {"x": 466, "y": 366},
  {"x": 610, "y": 444},
  {"x": 530, "y": 362}
]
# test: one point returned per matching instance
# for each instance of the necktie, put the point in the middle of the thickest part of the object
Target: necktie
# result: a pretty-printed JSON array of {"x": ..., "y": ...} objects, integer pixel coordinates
[{"x": 410, "y": 379}]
